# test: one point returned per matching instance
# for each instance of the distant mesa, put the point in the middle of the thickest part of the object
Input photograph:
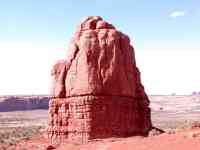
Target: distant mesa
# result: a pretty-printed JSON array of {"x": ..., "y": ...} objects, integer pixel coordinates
[
  {"x": 20, "y": 103},
  {"x": 96, "y": 90},
  {"x": 196, "y": 93}
]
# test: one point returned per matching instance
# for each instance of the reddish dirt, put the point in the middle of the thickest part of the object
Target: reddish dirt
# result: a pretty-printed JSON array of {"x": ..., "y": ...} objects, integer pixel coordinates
[{"x": 188, "y": 139}]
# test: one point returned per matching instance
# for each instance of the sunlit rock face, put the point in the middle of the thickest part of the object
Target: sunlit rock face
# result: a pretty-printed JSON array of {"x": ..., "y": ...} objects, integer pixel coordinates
[{"x": 97, "y": 91}]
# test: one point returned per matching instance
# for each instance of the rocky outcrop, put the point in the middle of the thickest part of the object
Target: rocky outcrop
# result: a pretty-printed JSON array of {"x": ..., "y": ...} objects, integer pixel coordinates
[
  {"x": 13, "y": 103},
  {"x": 97, "y": 91}
]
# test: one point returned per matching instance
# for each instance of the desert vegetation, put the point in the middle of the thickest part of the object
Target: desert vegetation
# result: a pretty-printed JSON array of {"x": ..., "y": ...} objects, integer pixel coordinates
[{"x": 10, "y": 136}]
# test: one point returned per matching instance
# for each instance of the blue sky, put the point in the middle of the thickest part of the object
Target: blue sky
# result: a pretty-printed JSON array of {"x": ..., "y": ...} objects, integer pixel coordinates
[
  {"x": 55, "y": 20},
  {"x": 35, "y": 33}
]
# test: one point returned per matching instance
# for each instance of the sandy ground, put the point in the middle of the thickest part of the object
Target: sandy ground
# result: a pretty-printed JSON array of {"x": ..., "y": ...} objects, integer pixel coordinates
[
  {"x": 23, "y": 118},
  {"x": 182, "y": 140},
  {"x": 174, "y": 111}
]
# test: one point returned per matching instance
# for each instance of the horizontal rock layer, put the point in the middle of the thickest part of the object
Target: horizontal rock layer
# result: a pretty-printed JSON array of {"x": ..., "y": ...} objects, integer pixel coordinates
[{"x": 87, "y": 117}]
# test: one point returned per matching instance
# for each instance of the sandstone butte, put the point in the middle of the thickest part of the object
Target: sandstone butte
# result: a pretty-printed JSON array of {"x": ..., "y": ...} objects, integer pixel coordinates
[{"x": 97, "y": 91}]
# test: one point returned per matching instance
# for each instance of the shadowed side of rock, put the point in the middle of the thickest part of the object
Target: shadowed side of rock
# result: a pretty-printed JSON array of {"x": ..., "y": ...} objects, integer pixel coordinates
[{"x": 97, "y": 91}]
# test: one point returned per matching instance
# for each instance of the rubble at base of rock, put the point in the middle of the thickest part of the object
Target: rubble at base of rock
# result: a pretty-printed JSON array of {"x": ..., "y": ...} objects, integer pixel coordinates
[{"x": 97, "y": 91}]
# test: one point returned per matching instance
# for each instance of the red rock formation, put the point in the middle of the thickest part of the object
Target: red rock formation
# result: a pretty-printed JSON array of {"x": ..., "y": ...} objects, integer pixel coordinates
[{"x": 97, "y": 92}]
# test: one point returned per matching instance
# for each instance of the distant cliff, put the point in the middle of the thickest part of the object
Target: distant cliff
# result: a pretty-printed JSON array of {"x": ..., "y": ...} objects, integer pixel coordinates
[{"x": 13, "y": 103}]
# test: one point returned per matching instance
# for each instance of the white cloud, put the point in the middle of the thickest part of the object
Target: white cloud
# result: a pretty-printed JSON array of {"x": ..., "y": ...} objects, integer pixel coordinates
[{"x": 176, "y": 14}]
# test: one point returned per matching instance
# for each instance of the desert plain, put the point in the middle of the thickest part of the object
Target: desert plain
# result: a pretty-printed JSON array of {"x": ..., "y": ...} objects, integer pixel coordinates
[{"x": 177, "y": 115}]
